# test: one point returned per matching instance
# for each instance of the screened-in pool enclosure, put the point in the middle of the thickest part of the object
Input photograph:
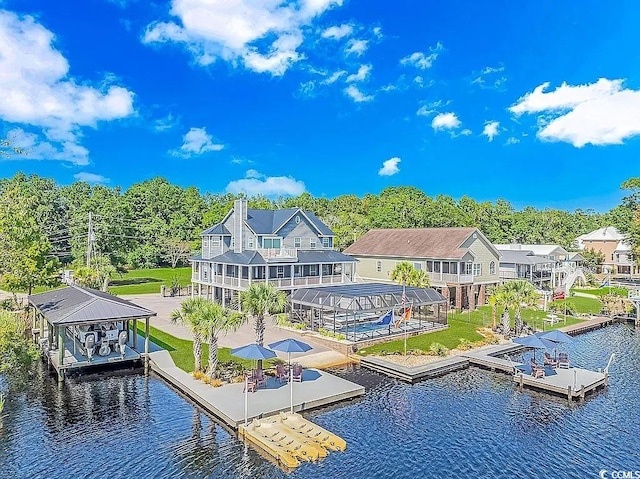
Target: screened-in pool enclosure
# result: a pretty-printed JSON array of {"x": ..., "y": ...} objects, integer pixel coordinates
[{"x": 369, "y": 310}]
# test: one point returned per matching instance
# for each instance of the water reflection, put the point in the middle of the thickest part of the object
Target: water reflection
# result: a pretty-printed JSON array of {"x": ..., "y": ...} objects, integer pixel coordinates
[{"x": 469, "y": 423}]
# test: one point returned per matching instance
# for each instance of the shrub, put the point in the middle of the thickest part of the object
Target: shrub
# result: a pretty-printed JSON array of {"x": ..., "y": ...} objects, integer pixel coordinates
[
  {"x": 216, "y": 383},
  {"x": 465, "y": 344},
  {"x": 438, "y": 349},
  {"x": 300, "y": 326},
  {"x": 198, "y": 375},
  {"x": 237, "y": 379}
]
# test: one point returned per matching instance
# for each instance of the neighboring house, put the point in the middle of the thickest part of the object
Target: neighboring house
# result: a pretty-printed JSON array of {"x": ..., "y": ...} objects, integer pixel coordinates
[
  {"x": 288, "y": 248},
  {"x": 461, "y": 262},
  {"x": 523, "y": 264},
  {"x": 556, "y": 254},
  {"x": 616, "y": 250}
]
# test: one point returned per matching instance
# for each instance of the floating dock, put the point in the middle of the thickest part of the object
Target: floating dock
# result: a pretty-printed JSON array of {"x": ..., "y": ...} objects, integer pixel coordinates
[
  {"x": 574, "y": 383},
  {"x": 291, "y": 439}
]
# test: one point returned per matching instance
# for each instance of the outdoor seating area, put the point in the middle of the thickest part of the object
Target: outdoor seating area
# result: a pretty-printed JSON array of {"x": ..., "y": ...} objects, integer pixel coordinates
[
  {"x": 552, "y": 319},
  {"x": 370, "y": 310},
  {"x": 281, "y": 374}
]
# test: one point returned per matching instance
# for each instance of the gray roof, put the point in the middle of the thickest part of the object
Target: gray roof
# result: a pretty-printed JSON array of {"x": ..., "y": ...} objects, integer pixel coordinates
[
  {"x": 365, "y": 297},
  {"x": 267, "y": 222},
  {"x": 76, "y": 305},
  {"x": 522, "y": 257},
  {"x": 248, "y": 257},
  {"x": 218, "y": 229},
  {"x": 324, "y": 256}
]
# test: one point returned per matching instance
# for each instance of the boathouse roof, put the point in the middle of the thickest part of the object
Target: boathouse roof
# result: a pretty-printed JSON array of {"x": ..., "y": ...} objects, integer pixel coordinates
[{"x": 77, "y": 305}]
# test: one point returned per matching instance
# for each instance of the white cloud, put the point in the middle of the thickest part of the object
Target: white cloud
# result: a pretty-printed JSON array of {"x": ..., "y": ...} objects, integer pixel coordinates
[
  {"x": 255, "y": 183},
  {"x": 422, "y": 60},
  {"x": 512, "y": 140},
  {"x": 491, "y": 129},
  {"x": 356, "y": 95},
  {"x": 335, "y": 76},
  {"x": 196, "y": 142},
  {"x": 356, "y": 47},
  {"x": 465, "y": 132},
  {"x": 361, "y": 75},
  {"x": 166, "y": 123},
  {"x": 377, "y": 31},
  {"x": 431, "y": 107},
  {"x": 445, "y": 121},
  {"x": 36, "y": 89},
  {"x": 488, "y": 78},
  {"x": 600, "y": 113},
  {"x": 338, "y": 32},
  {"x": 91, "y": 178},
  {"x": 390, "y": 167},
  {"x": 265, "y": 36},
  {"x": 34, "y": 147}
]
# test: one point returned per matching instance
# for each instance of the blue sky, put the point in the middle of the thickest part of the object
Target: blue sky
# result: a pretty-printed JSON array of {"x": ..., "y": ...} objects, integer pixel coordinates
[{"x": 537, "y": 103}]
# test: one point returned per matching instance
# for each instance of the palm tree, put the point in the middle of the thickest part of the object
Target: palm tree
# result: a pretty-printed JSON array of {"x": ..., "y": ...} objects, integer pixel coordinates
[
  {"x": 258, "y": 301},
  {"x": 215, "y": 319},
  {"x": 418, "y": 279},
  {"x": 401, "y": 272},
  {"x": 522, "y": 293},
  {"x": 190, "y": 314},
  {"x": 494, "y": 301}
]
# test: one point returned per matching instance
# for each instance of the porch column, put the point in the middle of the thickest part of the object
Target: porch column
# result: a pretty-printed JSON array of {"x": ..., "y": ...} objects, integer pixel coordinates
[
  {"x": 481, "y": 295},
  {"x": 146, "y": 344},
  {"x": 135, "y": 333},
  {"x": 344, "y": 265},
  {"x": 61, "y": 334},
  {"x": 224, "y": 297},
  {"x": 320, "y": 273},
  {"x": 199, "y": 289},
  {"x": 446, "y": 294},
  {"x": 224, "y": 267},
  {"x": 458, "y": 297},
  {"x": 472, "y": 297},
  {"x": 293, "y": 269}
]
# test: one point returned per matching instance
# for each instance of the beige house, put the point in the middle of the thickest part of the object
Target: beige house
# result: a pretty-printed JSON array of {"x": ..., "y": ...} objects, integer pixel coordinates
[
  {"x": 461, "y": 262},
  {"x": 618, "y": 258}
]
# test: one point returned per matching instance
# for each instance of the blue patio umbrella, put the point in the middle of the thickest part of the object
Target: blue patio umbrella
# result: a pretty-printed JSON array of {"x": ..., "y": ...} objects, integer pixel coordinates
[
  {"x": 251, "y": 351},
  {"x": 531, "y": 341},
  {"x": 556, "y": 337},
  {"x": 289, "y": 346}
]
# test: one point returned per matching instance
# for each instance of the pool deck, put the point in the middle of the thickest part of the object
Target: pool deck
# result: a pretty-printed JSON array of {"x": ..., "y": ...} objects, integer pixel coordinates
[{"x": 317, "y": 389}]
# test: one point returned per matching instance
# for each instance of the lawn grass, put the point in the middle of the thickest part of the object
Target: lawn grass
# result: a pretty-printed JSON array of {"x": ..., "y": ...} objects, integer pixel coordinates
[
  {"x": 181, "y": 350},
  {"x": 144, "y": 281},
  {"x": 583, "y": 305},
  {"x": 464, "y": 326},
  {"x": 603, "y": 291}
]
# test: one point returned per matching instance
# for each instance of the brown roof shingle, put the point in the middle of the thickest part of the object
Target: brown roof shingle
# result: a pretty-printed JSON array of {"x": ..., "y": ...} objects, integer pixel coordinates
[{"x": 412, "y": 243}]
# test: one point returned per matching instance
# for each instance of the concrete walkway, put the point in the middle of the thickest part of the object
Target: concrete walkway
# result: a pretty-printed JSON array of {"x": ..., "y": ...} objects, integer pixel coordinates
[{"x": 320, "y": 356}]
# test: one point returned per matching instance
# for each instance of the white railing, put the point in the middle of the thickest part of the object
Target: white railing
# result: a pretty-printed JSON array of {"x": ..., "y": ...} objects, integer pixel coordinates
[
  {"x": 276, "y": 282},
  {"x": 278, "y": 253},
  {"x": 450, "y": 278}
]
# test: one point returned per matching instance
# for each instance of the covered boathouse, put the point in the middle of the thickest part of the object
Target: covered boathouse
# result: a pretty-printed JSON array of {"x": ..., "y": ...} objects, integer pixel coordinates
[{"x": 80, "y": 327}]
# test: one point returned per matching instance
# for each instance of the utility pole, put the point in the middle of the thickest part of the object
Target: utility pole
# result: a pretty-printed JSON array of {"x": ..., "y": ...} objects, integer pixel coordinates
[{"x": 90, "y": 239}]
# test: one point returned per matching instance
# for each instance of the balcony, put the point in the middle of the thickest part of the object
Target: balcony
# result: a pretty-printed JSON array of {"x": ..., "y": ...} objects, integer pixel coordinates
[
  {"x": 285, "y": 283},
  {"x": 279, "y": 255},
  {"x": 450, "y": 278}
]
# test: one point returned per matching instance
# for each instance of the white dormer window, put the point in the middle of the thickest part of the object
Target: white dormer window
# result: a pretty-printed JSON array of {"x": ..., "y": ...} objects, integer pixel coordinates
[
  {"x": 205, "y": 242},
  {"x": 326, "y": 242},
  {"x": 215, "y": 241}
]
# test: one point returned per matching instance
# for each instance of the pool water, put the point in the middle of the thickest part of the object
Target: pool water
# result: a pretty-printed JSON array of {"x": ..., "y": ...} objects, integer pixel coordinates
[{"x": 472, "y": 423}]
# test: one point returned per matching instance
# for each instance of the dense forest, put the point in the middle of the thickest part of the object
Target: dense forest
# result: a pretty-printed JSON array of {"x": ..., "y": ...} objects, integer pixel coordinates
[{"x": 157, "y": 223}]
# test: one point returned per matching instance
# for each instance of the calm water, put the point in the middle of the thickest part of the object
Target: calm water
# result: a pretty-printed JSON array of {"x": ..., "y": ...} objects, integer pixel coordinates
[{"x": 468, "y": 424}]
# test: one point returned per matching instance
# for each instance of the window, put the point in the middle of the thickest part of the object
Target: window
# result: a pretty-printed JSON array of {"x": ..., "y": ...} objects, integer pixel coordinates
[
  {"x": 313, "y": 270},
  {"x": 271, "y": 243},
  {"x": 215, "y": 241},
  {"x": 418, "y": 266},
  {"x": 297, "y": 242},
  {"x": 429, "y": 266},
  {"x": 379, "y": 266},
  {"x": 276, "y": 243},
  {"x": 205, "y": 242},
  {"x": 297, "y": 271},
  {"x": 297, "y": 220},
  {"x": 467, "y": 268},
  {"x": 326, "y": 242},
  {"x": 280, "y": 272},
  {"x": 250, "y": 242},
  {"x": 492, "y": 267},
  {"x": 477, "y": 269},
  {"x": 233, "y": 241},
  {"x": 312, "y": 244}
]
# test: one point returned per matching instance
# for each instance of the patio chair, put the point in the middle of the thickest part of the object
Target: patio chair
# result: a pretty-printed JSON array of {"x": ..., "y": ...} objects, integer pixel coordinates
[
  {"x": 563, "y": 360},
  {"x": 549, "y": 361},
  {"x": 260, "y": 378},
  {"x": 249, "y": 385},
  {"x": 297, "y": 373},
  {"x": 281, "y": 374},
  {"x": 538, "y": 373}
]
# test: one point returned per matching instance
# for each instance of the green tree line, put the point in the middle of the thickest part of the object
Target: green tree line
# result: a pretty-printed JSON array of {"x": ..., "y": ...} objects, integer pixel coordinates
[{"x": 141, "y": 226}]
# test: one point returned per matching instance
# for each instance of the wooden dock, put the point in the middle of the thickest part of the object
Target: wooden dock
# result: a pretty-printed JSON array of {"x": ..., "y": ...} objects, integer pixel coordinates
[
  {"x": 415, "y": 373},
  {"x": 317, "y": 389},
  {"x": 574, "y": 383},
  {"x": 591, "y": 324}
]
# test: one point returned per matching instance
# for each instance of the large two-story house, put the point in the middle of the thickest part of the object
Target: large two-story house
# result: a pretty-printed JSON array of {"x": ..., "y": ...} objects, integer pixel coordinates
[
  {"x": 288, "y": 248},
  {"x": 618, "y": 258},
  {"x": 461, "y": 262}
]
